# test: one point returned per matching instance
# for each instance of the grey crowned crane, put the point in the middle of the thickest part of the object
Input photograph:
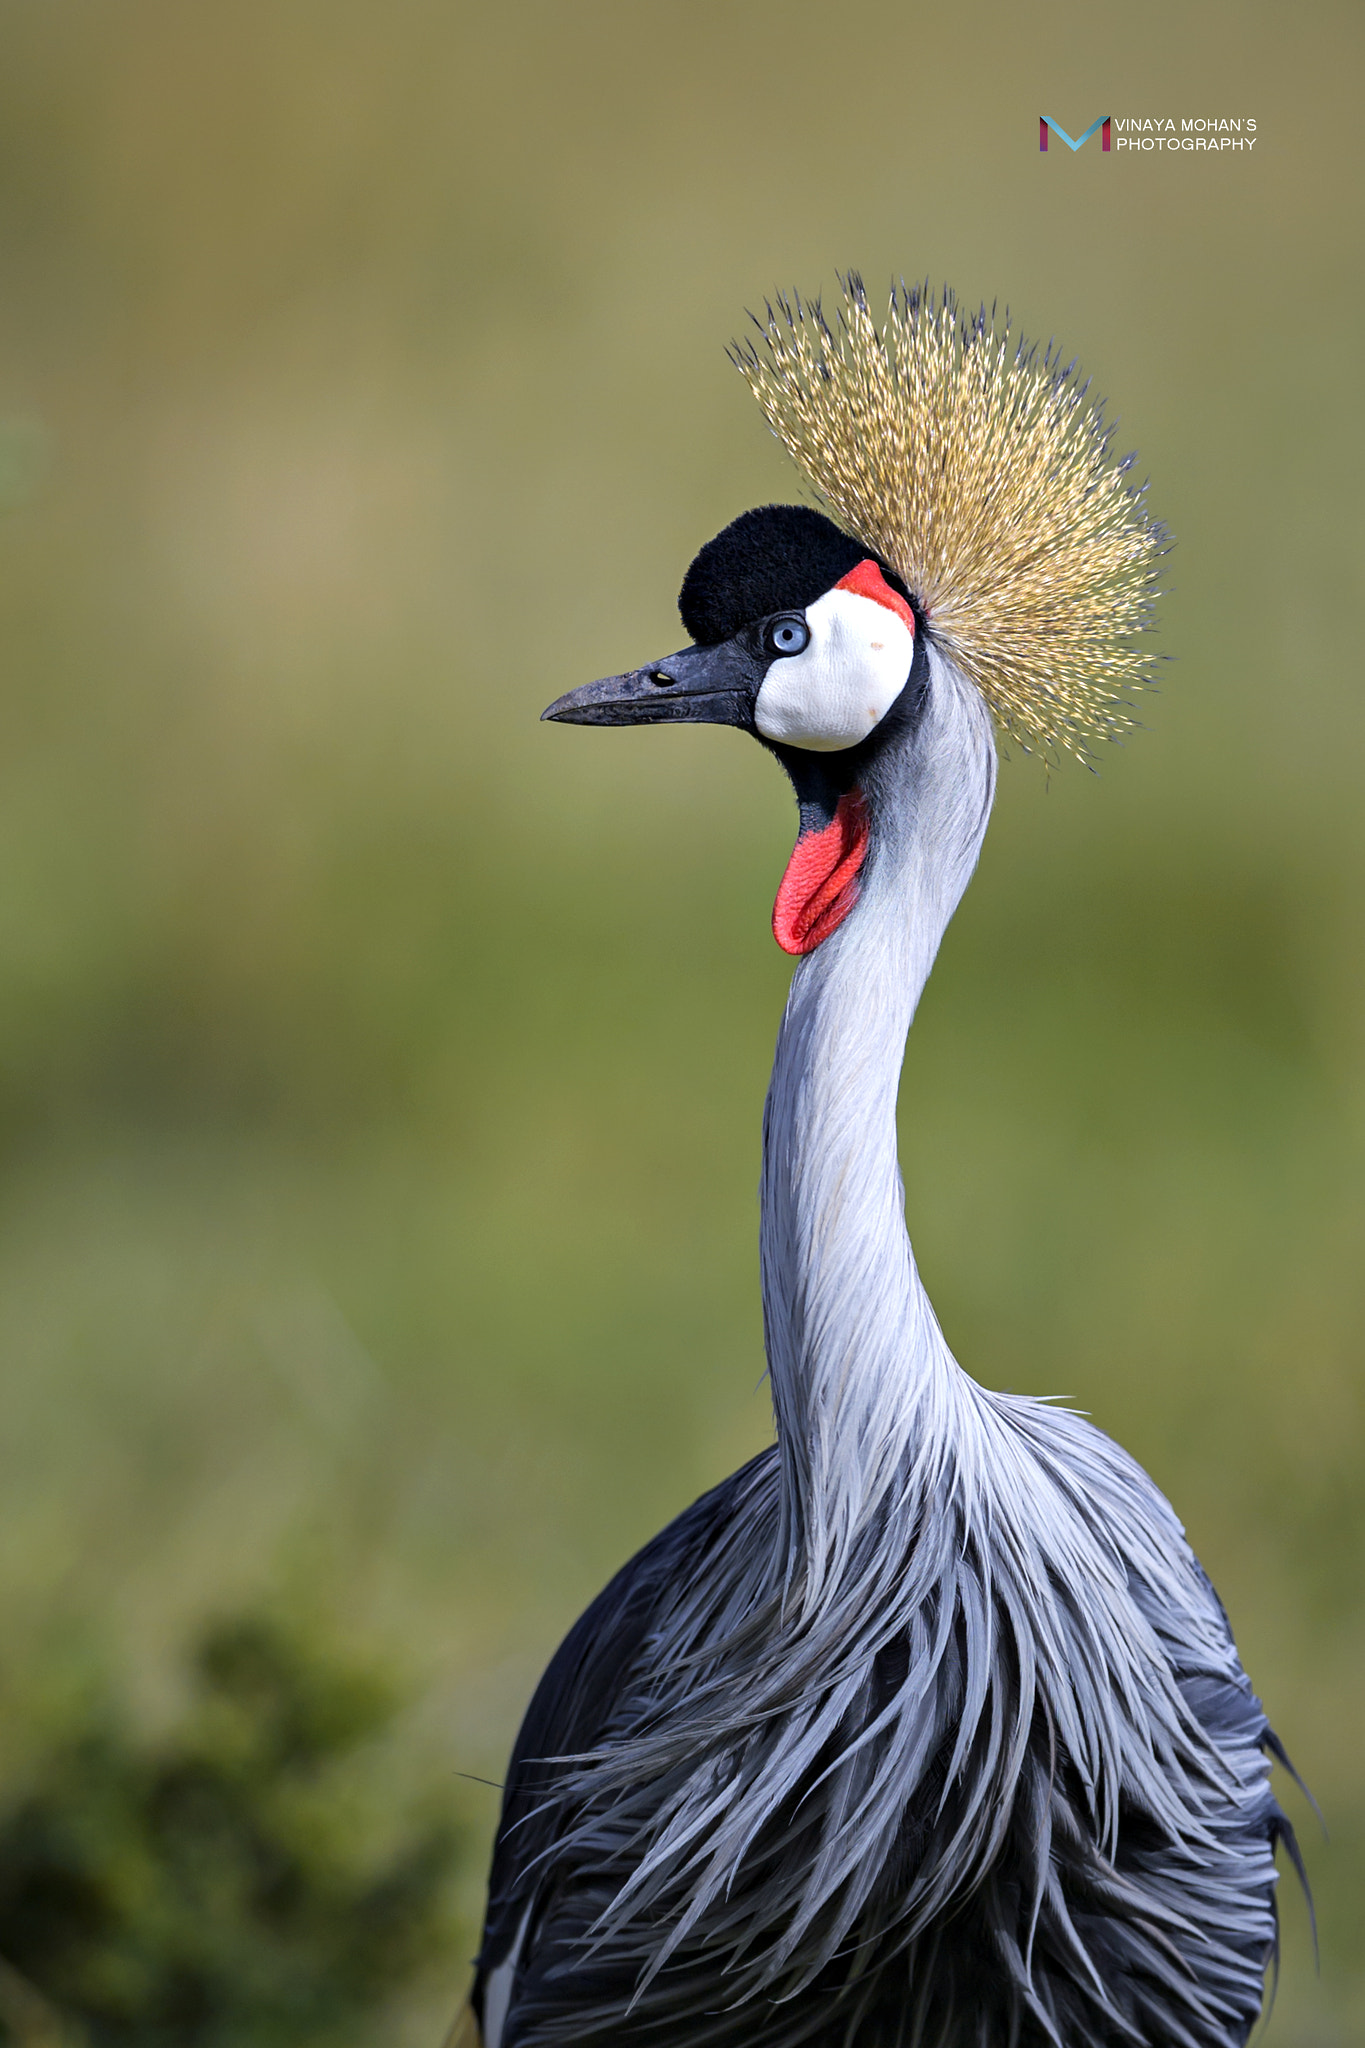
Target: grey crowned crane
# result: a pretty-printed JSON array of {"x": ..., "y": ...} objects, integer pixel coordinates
[{"x": 926, "y": 1729}]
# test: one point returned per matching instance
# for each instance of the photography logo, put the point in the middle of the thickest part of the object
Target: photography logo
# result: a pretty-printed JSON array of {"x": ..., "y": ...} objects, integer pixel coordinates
[
  {"x": 1046, "y": 122},
  {"x": 1191, "y": 135}
]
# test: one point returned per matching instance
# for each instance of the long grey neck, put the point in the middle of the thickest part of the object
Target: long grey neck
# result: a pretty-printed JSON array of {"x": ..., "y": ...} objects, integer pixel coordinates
[{"x": 858, "y": 1365}]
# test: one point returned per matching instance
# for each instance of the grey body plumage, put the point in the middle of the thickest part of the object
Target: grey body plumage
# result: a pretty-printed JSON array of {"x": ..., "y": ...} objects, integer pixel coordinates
[{"x": 926, "y": 1729}]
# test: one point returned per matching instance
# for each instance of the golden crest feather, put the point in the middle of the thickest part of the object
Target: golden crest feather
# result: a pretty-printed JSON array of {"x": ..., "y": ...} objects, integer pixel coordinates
[{"x": 975, "y": 466}]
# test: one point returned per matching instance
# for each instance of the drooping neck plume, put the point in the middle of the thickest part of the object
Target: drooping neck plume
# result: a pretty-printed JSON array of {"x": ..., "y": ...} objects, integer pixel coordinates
[{"x": 860, "y": 1372}]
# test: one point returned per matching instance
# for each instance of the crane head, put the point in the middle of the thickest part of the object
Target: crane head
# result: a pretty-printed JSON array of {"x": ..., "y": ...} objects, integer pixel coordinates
[
  {"x": 812, "y": 645},
  {"x": 977, "y": 499}
]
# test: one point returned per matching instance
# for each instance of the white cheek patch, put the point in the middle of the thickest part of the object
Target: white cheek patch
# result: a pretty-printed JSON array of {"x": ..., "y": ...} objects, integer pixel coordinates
[{"x": 843, "y": 682}]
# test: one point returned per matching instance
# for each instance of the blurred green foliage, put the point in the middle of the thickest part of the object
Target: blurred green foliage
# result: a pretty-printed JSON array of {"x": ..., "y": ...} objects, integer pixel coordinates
[
  {"x": 235, "y": 1882},
  {"x": 380, "y": 1071}
]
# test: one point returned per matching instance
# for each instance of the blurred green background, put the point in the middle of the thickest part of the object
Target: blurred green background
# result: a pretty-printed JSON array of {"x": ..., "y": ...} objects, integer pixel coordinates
[{"x": 380, "y": 1071}]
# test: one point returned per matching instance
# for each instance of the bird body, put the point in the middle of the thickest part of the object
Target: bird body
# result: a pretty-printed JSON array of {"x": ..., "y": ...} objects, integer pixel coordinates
[{"x": 925, "y": 1729}]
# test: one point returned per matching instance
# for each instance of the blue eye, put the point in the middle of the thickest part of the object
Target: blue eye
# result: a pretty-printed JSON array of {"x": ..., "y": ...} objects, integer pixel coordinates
[{"x": 788, "y": 635}]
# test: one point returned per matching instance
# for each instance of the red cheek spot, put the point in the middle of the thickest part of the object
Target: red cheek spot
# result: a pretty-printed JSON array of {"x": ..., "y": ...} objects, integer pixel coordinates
[
  {"x": 820, "y": 886},
  {"x": 867, "y": 580}
]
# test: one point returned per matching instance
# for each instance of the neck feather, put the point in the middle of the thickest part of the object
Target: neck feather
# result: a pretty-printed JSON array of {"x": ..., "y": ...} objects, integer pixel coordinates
[{"x": 862, "y": 1378}]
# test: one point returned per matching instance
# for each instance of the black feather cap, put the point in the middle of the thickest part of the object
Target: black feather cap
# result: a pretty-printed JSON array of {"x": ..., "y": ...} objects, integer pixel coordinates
[{"x": 777, "y": 558}]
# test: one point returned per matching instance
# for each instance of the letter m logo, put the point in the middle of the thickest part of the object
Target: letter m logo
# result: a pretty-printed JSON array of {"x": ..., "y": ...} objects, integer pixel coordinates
[{"x": 1045, "y": 121}]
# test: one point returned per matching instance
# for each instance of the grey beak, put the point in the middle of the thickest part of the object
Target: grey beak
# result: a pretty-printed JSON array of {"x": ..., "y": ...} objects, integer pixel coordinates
[{"x": 699, "y": 686}]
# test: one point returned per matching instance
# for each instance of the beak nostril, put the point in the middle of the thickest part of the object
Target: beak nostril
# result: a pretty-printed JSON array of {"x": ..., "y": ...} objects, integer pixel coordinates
[{"x": 661, "y": 679}]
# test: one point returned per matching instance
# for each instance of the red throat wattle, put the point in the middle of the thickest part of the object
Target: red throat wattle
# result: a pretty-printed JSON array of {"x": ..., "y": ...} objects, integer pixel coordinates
[{"x": 820, "y": 886}]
